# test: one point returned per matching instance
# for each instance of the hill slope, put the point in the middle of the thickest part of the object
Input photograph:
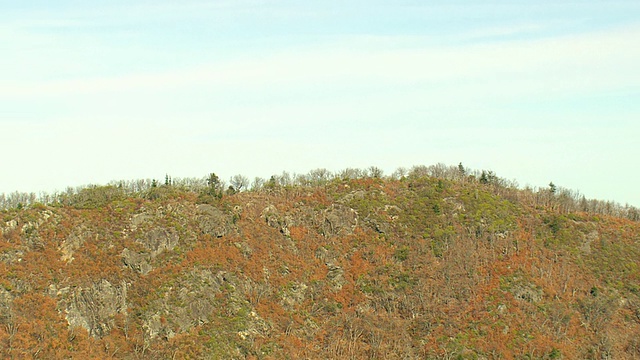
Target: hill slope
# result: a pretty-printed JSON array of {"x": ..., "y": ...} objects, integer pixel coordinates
[{"x": 412, "y": 268}]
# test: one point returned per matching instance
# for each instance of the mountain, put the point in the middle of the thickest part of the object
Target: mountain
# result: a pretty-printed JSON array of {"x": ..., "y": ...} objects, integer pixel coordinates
[{"x": 427, "y": 264}]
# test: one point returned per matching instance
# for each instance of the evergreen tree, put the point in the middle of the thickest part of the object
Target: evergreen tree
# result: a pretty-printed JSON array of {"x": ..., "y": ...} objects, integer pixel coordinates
[
  {"x": 462, "y": 170},
  {"x": 483, "y": 178},
  {"x": 215, "y": 185}
]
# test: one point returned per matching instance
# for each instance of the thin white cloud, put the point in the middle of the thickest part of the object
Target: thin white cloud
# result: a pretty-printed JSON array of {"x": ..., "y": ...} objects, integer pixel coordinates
[
  {"x": 503, "y": 31},
  {"x": 557, "y": 66}
]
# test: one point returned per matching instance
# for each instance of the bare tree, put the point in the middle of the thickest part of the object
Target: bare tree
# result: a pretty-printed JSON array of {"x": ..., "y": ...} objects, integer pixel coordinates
[
  {"x": 257, "y": 183},
  {"x": 319, "y": 176},
  {"x": 239, "y": 182},
  {"x": 351, "y": 173},
  {"x": 399, "y": 174}
]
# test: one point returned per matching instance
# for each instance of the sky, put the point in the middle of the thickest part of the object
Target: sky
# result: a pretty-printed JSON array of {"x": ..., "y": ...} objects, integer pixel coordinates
[{"x": 538, "y": 92}]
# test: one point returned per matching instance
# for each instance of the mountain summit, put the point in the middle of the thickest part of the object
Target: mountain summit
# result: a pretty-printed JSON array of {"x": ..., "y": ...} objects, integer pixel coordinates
[{"x": 426, "y": 264}]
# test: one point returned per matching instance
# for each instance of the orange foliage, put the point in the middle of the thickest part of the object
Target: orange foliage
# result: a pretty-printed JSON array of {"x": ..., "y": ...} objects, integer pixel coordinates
[{"x": 298, "y": 233}]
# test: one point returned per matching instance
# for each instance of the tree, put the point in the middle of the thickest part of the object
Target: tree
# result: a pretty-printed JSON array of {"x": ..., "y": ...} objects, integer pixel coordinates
[
  {"x": 319, "y": 176},
  {"x": 272, "y": 183},
  {"x": 285, "y": 179},
  {"x": 375, "y": 172},
  {"x": 351, "y": 173},
  {"x": 257, "y": 183},
  {"x": 215, "y": 186},
  {"x": 399, "y": 174},
  {"x": 484, "y": 179},
  {"x": 488, "y": 177},
  {"x": 239, "y": 182},
  {"x": 462, "y": 170},
  {"x": 213, "y": 181}
]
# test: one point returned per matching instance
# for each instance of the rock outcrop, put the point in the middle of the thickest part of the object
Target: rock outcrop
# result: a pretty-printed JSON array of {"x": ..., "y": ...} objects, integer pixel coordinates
[
  {"x": 94, "y": 307},
  {"x": 214, "y": 221}
]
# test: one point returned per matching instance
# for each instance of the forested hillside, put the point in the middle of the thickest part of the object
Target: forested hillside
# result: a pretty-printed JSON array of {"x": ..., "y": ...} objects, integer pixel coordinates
[{"x": 429, "y": 263}]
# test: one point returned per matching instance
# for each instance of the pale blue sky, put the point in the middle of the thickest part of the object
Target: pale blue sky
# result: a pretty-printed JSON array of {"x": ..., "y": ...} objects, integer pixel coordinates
[{"x": 536, "y": 91}]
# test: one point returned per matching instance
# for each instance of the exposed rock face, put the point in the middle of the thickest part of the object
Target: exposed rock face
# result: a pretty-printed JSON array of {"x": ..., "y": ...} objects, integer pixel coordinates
[
  {"x": 94, "y": 307},
  {"x": 29, "y": 230},
  {"x": 5, "y": 306},
  {"x": 382, "y": 221},
  {"x": 354, "y": 195},
  {"x": 43, "y": 216},
  {"x": 588, "y": 240},
  {"x": 155, "y": 242},
  {"x": 336, "y": 220},
  {"x": 271, "y": 216},
  {"x": 275, "y": 220},
  {"x": 140, "y": 219},
  {"x": 72, "y": 243},
  {"x": 137, "y": 261},
  {"x": 193, "y": 301},
  {"x": 8, "y": 226},
  {"x": 381, "y": 227},
  {"x": 159, "y": 240},
  {"x": 213, "y": 221},
  {"x": 335, "y": 275},
  {"x": 12, "y": 256},
  {"x": 339, "y": 220},
  {"x": 294, "y": 295}
]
